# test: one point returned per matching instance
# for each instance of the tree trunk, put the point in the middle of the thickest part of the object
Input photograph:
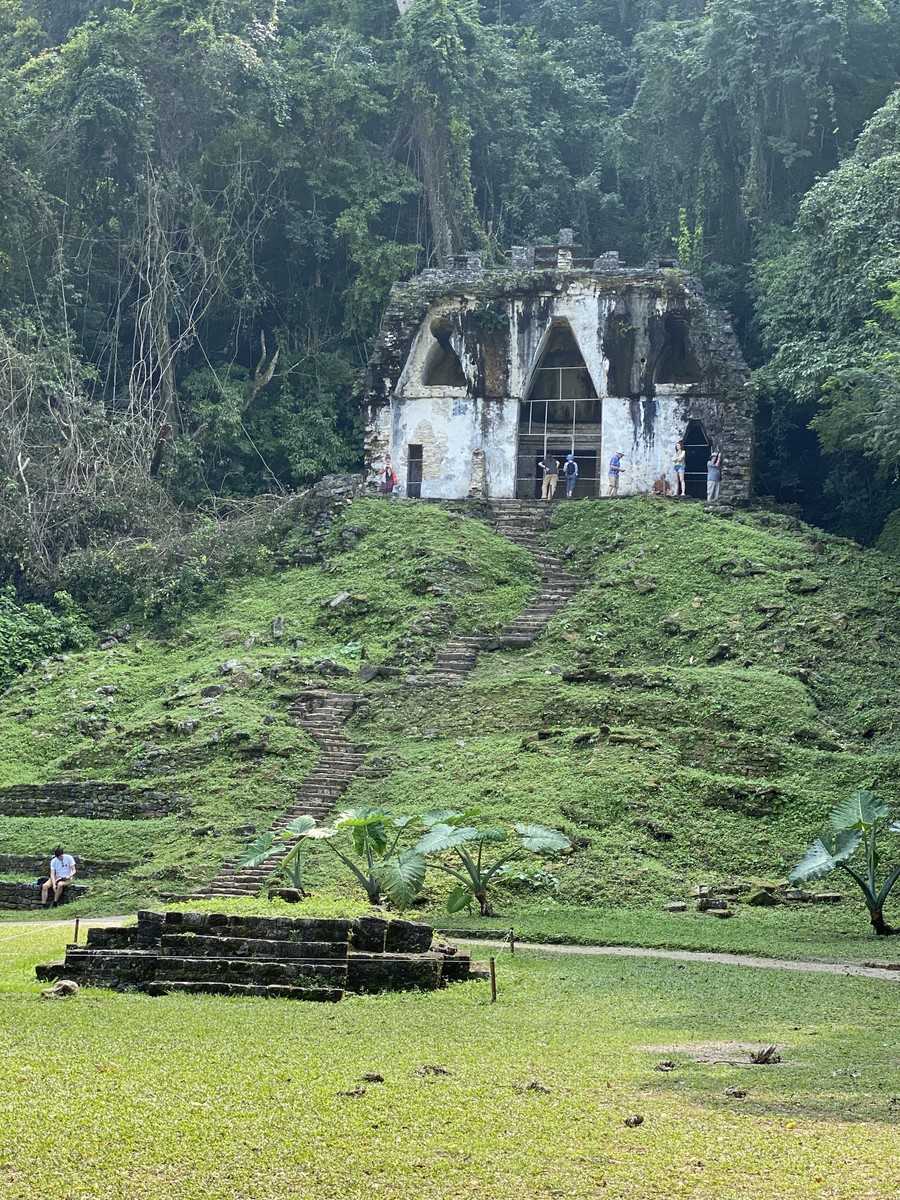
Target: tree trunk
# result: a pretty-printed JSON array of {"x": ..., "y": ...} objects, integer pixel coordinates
[
  {"x": 446, "y": 239},
  {"x": 486, "y": 910},
  {"x": 882, "y": 929}
]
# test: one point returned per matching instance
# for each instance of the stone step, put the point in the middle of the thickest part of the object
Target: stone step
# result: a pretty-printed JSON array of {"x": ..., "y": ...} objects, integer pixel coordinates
[
  {"x": 273, "y": 991},
  {"x": 203, "y": 945},
  {"x": 222, "y": 893},
  {"x": 294, "y": 973}
]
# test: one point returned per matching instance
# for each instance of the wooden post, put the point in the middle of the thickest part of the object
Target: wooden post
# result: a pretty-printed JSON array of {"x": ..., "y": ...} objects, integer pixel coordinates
[
  {"x": 512, "y": 940},
  {"x": 493, "y": 981},
  {"x": 77, "y": 923}
]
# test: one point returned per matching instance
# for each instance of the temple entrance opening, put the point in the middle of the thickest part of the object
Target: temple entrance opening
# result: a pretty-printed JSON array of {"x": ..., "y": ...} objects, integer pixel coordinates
[
  {"x": 561, "y": 414},
  {"x": 697, "y": 451},
  {"x": 414, "y": 472}
]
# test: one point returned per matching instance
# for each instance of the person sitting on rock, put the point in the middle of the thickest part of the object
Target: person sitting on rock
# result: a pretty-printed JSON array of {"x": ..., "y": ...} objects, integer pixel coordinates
[
  {"x": 661, "y": 486},
  {"x": 62, "y": 872}
]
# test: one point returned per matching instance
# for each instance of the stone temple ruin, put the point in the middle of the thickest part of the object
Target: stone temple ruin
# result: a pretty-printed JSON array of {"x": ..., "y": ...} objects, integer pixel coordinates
[
  {"x": 289, "y": 958},
  {"x": 478, "y": 373}
]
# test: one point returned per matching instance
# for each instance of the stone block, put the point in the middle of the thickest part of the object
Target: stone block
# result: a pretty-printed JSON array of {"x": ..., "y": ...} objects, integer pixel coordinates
[
  {"x": 116, "y": 938},
  {"x": 408, "y": 937},
  {"x": 456, "y": 969},
  {"x": 258, "y": 948},
  {"x": 393, "y": 972},
  {"x": 368, "y": 934},
  {"x": 261, "y": 972}
]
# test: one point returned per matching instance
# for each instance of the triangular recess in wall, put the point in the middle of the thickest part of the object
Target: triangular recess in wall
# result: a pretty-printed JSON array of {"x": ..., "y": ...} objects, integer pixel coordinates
[
  {"x": 561, "y": 351},
  {"x": 442, "y": 366}
]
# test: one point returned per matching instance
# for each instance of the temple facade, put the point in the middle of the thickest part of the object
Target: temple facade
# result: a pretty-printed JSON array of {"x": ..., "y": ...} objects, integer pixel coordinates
[{"x": 478, "y": 374}]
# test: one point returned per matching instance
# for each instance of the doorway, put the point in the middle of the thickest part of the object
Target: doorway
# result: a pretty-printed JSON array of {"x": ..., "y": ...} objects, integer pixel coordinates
[
  {"x": 697, "y": 450},
  {"x": 414, "y": 472}
]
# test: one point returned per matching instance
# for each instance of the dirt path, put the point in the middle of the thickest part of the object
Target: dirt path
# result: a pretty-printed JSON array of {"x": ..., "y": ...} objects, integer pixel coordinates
[{"x": 707, "y": 956}]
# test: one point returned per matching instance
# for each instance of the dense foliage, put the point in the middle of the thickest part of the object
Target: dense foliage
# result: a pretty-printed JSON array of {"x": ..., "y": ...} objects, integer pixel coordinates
[{"x": 202, "y": 206}]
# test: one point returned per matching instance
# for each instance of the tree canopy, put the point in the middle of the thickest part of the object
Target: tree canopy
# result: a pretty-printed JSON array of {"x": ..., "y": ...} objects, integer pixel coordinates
[{"x": 203, "y": 204}]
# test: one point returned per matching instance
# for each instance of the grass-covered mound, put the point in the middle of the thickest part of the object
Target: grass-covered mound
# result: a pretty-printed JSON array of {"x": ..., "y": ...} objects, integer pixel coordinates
[
  {"x": 209, "y": 1098},
  {"x": 714, "y": 689},
  {"x": 691, "y": 716},
  {"x": 203, "y": 716}
]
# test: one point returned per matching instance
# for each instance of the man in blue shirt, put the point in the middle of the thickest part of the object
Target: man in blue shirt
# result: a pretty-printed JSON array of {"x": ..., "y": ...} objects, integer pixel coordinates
[
  {"x": 615, "y": 470},
  {"x": 570, "y": 470}
]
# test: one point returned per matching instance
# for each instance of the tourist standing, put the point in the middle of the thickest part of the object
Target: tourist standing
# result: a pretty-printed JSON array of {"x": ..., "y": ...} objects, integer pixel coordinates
[
  {"x": 570, "y": 470},
  {"x": 615, "y": 470},
  {"x": 713, "y": 478},
  {"x": 389, "y": 479},
  {"x": 549, "y": 464},
  {"x": 678, "y": 462}
]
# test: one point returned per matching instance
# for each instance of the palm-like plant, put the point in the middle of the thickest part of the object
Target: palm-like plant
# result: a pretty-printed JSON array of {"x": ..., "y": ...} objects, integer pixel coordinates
[
  {"x": 854, "y": 824},
  {"x": 475, "y": 858}
]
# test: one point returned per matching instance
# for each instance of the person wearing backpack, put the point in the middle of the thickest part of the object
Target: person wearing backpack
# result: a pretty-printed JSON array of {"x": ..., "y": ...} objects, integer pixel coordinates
[
  {"x": 570, "y": 470},
  {"x": 389, "y": 479}
]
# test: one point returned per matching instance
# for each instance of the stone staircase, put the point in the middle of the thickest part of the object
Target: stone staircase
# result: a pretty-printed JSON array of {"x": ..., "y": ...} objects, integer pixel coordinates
[
  {"x": 321, "y": 714},
  {"x": 522, "y": 522}
]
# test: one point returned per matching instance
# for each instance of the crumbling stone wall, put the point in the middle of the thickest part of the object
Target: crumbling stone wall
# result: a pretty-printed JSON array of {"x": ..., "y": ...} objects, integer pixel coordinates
[
  {"x": 93, "y": 800},
  {"x": 658, "y": 355}
]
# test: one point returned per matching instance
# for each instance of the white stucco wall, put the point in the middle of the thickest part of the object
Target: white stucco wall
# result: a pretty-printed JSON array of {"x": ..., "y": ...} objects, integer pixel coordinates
[
  {"x": 586, "y": 312},
  {"x": 648, "y": 445},
  {"x": 451, "y": 428}
]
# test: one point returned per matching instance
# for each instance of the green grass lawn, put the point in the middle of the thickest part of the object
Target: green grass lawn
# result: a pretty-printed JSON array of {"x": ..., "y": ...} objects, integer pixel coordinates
[{"x": 222, "y": 1099}]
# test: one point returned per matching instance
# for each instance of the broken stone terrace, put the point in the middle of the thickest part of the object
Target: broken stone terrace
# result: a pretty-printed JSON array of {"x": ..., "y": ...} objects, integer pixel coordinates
[{"x": 479, "y": 373}]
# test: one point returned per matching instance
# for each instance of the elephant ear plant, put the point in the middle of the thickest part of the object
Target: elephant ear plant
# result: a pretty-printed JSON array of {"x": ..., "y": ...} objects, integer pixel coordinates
[
  {"x": 371, "y": 856},
  {"x": 854, "y": 825},
  {"x": 383, "y": 870},
  {"x": 270, "y": 844},
  {"x": 476, "y": 857}
]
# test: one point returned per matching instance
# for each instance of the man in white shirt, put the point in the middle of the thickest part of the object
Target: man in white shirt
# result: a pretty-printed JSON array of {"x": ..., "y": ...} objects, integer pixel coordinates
[{"x": 62, "y": 872}]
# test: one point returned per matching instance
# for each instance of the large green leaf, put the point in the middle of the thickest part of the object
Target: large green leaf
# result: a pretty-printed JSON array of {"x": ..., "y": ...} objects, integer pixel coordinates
[
  {"x": 540, "y": 839},
  {"x": 459, "y": 899},
  {"x": 494, "y": 834},
  {"x": 402, "y": 877},
  {"x": 367, "y": 828},
  {"x": 445, "y": 837},
  {"x": 403, "y": 822},
  {"x": 257, "y": 853},
  {"x": 826, "y": 853},
  {"x": 321, "y": 832},
  {"x": 859, "y": 811},
  {"x": 300, "y": 826}
]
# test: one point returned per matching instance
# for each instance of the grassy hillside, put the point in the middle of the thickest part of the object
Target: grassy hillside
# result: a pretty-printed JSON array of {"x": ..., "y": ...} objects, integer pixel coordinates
[
  {"x": 715, "y": 687},
  {"x": 717, "y": 684},
  {"x": 204, "y": 716}
]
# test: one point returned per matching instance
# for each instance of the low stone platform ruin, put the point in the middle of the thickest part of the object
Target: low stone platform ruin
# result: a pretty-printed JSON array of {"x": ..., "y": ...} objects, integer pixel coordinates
[{"x": 297, "y": 958}]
